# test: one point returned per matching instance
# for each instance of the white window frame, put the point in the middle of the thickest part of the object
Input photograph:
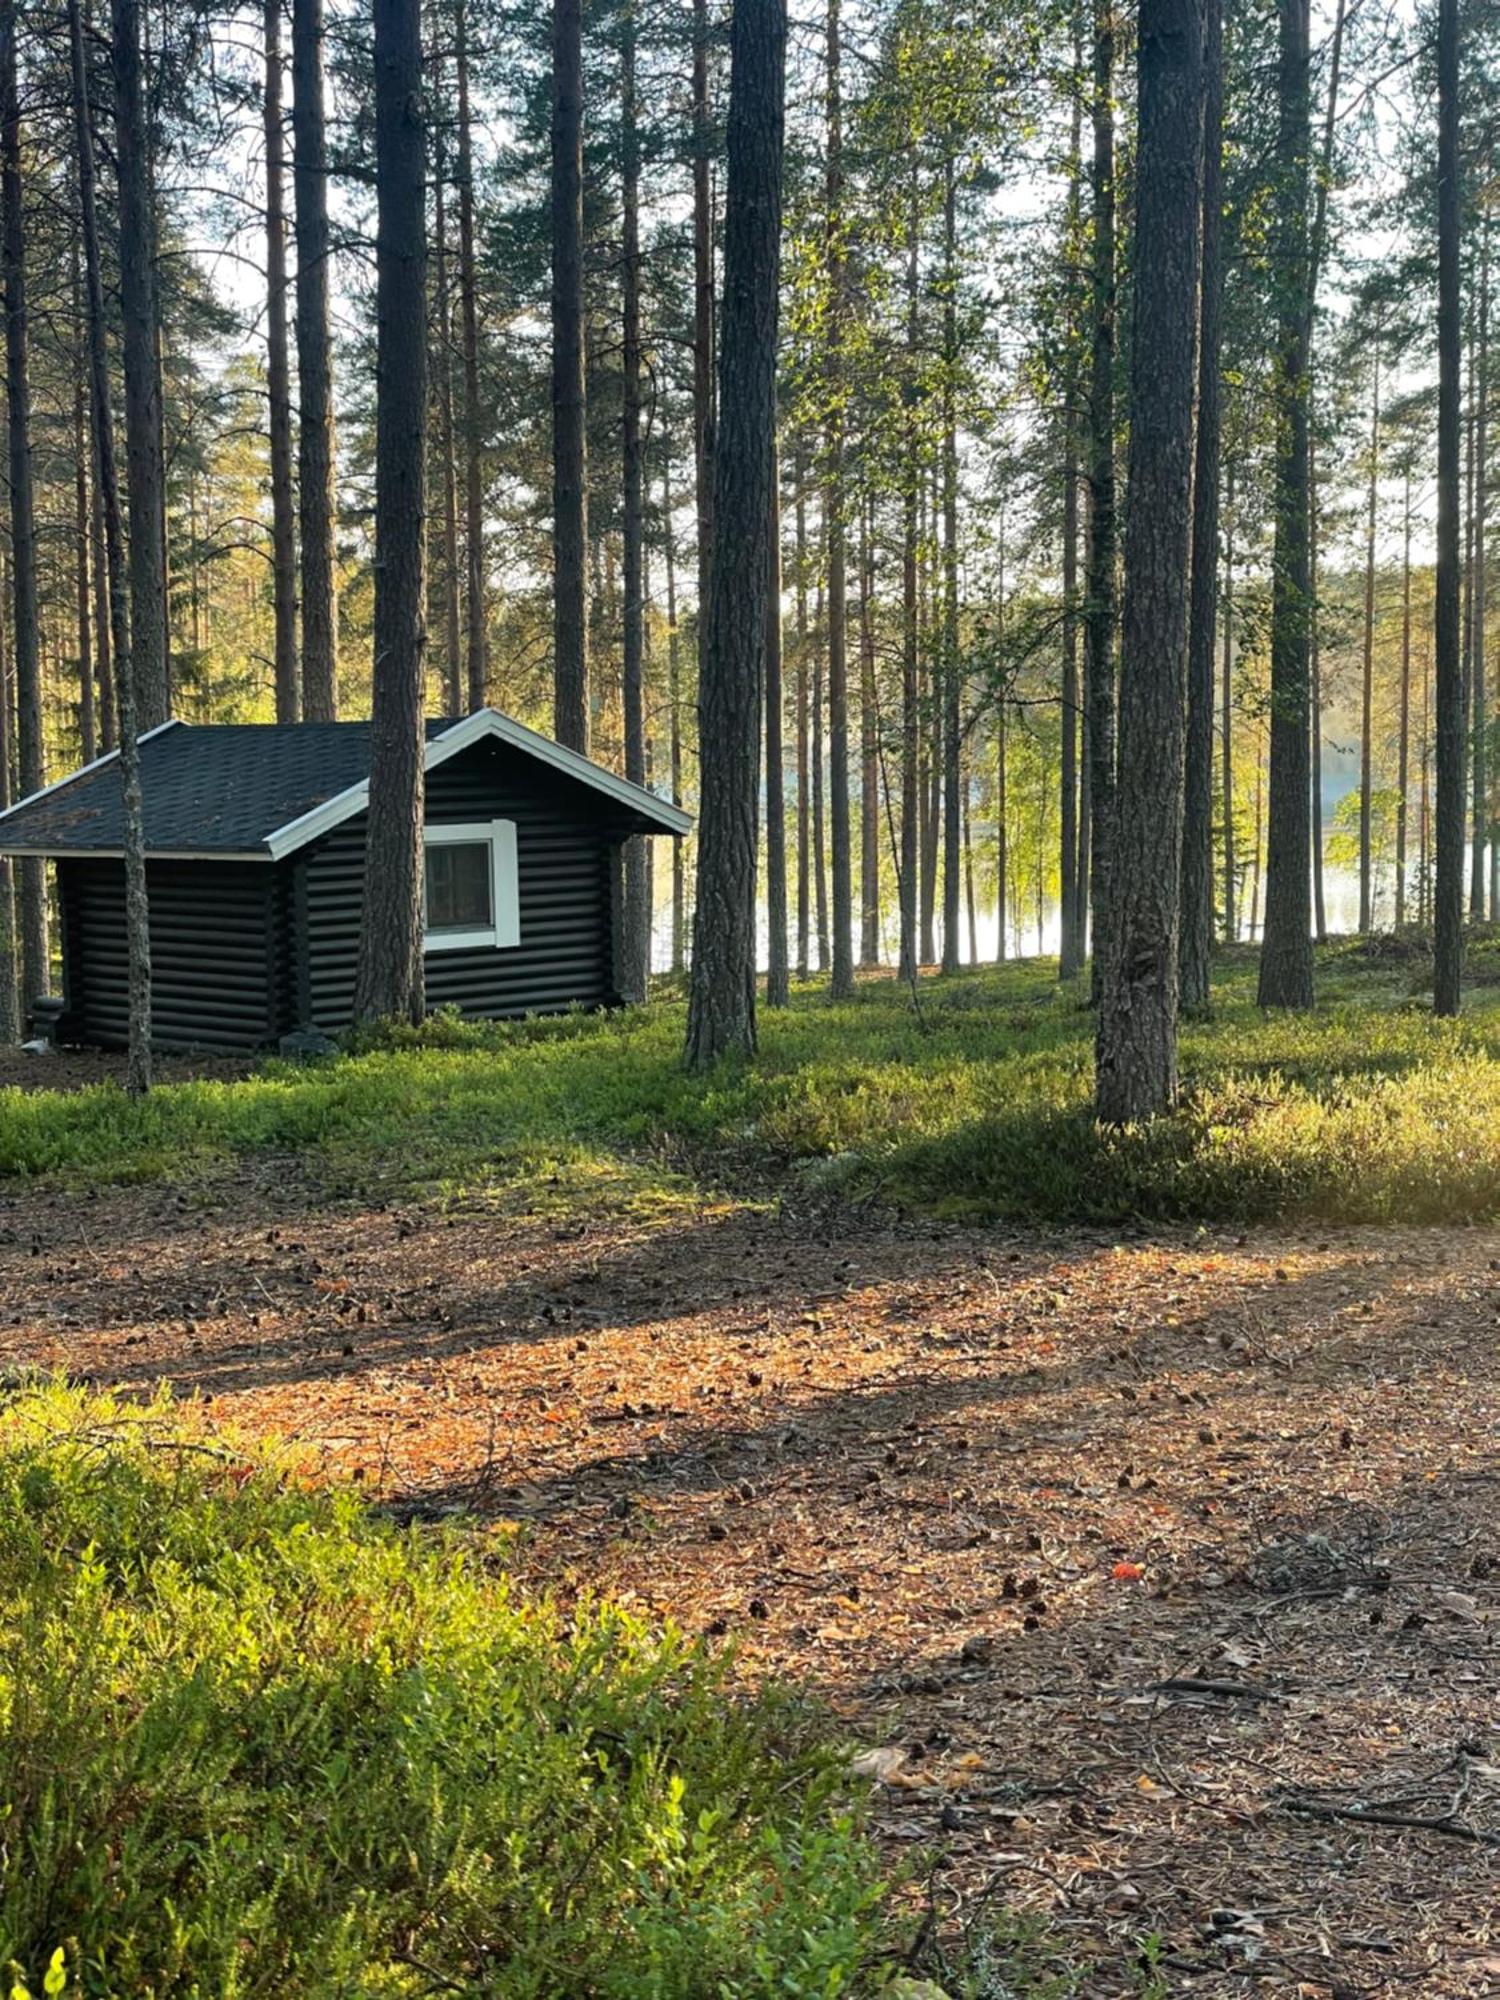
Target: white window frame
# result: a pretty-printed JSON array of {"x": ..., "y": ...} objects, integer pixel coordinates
[{"x": 504, "y": 934}]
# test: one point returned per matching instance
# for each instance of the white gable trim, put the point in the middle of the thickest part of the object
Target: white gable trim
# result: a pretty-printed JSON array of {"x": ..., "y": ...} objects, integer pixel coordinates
[
  {"x": 58, "y": 784},
  {"x": 485, "y": 722}
]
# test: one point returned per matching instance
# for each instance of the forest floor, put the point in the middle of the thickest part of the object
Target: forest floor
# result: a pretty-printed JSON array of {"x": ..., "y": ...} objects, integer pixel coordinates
[{"x": 1157, "y": 1574}]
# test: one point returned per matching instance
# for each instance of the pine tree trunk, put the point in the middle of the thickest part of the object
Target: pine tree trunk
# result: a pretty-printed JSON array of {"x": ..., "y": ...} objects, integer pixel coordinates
[
  {"x": 570, "y": 507},
  {"x": 911, "y": 676},
  {"x": 1099, "y": 614},
  {"x": 819, "y": 786},
  {"x": 778, "y": 966},
  {"x": 1286, "y": 960},
  {"x": 88, "y": 712},
  {"x": 674, "y": 719},
  {"x": 453, "y": 655},
  {"x": 1226, "y": 782},
  {"x": 137, "y": 914},
  {"x": 10, "y": 991},
  {"x": 721, "y": 1006},
  {"x": 1449, "y": 701},
  {"x": 1002, "y": 835},
  {"x": 316, "y": 502},
  {"x": 804, "y": 746},
  {"x": 952, "y": 678},
  {"x": 703, "y": 321},
  {"x": 841, "y": 880},
  {"x": 1315, "y": 689},
  {"x": 635, "y": 915},
  {"x": 109, "y": 728},
  {"x": 1480, "y": 833},
  {"x": 1367, "y": 670},
  {"x": 1136, "y": 1048},
  {"x": 869, "y": 757},
  {"x": 1195, "y": 947},
  {"x": 1403, "y": 748},
  {"x": 1070, "y": 914},
  {"x": 388, "y": 985},
  {"x": 287, "y": 667},
  {"x": 26, "y": 635},
  {"x": 468, "y": 295}
]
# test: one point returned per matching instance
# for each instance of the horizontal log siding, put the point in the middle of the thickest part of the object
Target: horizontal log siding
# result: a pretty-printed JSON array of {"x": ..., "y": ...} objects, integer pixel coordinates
[
  {"x": 220, "y": 952},
  {"x": 564, "y": 838}
]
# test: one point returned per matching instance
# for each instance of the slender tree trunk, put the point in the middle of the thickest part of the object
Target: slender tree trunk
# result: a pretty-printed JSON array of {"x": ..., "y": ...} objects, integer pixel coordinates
[
  {"x": 778, "y": 968},
  {"x": 468, "y": 301},
  {"x": 1257, "y": 837},
  {"x": 109, "y": 729},
  {"x": 819, "y": 801},
  {"x": 869, "y": 758},
  {"x": 635, "y": 955},
  {"x": 1195, "y": 947},
  {"x": 721, "y": 1006},
  {"x": 1476, "y": 643},
  {"x": 143, "y": 443},
  {"x": 1231, "y": 915},
  {"x": 1136, "y": 1050},
  {"x": 1099, "y": 611},
  {"x": 389, "y": 980},
  {"x": 1070, "y": 912},
  {"x": 703, "y": 321},
  {"x": 1286, "y": 963},
  {"x": 1367, "y": 674},
  {"x": 804, "y": 748},
  {"x": 841, "y": 851},
  {"x": 453, "y": 655},
  {"x": 570, "y": 507},
  {"x": 26, "y": 635},
  {"x": 1448, "y": 890},
  {"x": 1315, "y": 690},
  {"x": 137, "y": 915},
  {"x": 1403, "y": 750},
  {"x": 952, "y": 690},
  {"x": 911, "y": 678},
  {"x": 10, "y": 990},
  {"x": 674, "y": 718},
  {"x": 316, "y": 500},
  {"x": 1002, "y": 833},
  {"x": 288, "y": 668},
  {"x": 88, "y": 713}
]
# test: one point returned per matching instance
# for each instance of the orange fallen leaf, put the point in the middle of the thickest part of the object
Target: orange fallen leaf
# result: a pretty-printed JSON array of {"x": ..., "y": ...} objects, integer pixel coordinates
[{"x": 1127, "y": 1572}]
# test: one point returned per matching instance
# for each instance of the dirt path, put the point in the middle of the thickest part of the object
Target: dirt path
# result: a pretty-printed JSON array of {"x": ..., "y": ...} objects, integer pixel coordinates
[{"x": 1148, "y": 1565}]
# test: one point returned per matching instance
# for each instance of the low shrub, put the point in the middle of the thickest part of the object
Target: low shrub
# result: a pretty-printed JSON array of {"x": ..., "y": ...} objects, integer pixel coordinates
[{"x": 255, "y": 1741}]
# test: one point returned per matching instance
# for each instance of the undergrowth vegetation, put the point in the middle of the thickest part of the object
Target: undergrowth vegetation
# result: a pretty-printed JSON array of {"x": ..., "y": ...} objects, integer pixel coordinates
[
  {"x": 973, "y": 1101},
  {"x": 255, "y": 1742}
]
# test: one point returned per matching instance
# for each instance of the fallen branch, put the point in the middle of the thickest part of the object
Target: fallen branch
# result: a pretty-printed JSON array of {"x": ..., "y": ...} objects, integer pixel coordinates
[{"x": 1453, "y": 1829}]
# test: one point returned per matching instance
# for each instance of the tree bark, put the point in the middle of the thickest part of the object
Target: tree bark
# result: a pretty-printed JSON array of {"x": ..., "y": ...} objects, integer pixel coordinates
[
  {"x": 137, "y": 913},
  {"x": 1099, "y": 553},
  {"x": 389, "y": 981},
  {"x": 453, "y": 654},
  {"x": 674, "y": 719},
  {"x": 1477, "y": 727},
  {"x": 1367, "y": 666},
  {"x": 703, "y": 322},
  {"x": 778, "y": 967},
  {"x": 804, "y": 747},
  {"x": 1315, "y": 690},
  {"x": 1136, "y": 1047},
  {"x": 869, "y": 758},
  {"x": 288, "y": 668},
  {"x": 1403, "y": 747},
  {"x": 841, "y": 882},
  {"x": 570, "y": 507},
  {"x": 1286, "y": 960},
  {"x": 721, "y": 1002},
  {"x": 468, "y": 294},
  {"x": 1070, "y": 903},
  {"x": 1226, "y": 781},
  {"x": 1449, "y": 699},
  {"x": 10, "y": 990},
  {"x": 952, "y": 678},
  {"x": 635, "y": 954},
  {"x": 26, "y": 637},
  {"x": 1195, "y": 946},
  {"x": 316, "y": 500},
  {"x": 911, "y": 670}
]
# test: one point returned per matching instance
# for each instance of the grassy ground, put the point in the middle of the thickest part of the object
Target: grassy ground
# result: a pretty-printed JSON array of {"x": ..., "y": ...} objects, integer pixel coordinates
[{"x": 974, "y": 1104}]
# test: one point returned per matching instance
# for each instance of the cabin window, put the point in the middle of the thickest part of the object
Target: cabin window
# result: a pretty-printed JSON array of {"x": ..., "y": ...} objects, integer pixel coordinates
[{"x": 470, "y": 899}]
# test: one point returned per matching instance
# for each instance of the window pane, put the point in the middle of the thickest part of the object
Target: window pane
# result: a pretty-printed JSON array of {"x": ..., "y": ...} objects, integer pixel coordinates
[{"x": 458, "y": 886}]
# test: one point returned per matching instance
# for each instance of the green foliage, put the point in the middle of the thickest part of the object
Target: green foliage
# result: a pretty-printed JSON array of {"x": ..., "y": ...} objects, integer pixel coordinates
[
  {"x": 255, "y": 1742},
  {"x": 1363, "y": 1110}
]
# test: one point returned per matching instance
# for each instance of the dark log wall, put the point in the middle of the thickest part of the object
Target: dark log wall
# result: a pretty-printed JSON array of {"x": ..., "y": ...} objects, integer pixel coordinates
[
  {"x": 220, "y": 952},
  {"x": 566, "y": 839}
]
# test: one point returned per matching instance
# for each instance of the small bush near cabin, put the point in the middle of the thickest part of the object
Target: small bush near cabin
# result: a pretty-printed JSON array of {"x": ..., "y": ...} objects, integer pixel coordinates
[{"x": 255, "y": 1741}]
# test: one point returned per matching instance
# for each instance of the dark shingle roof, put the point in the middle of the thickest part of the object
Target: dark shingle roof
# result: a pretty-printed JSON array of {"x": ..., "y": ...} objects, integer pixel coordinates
[{"x": 226, "y": 788}]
